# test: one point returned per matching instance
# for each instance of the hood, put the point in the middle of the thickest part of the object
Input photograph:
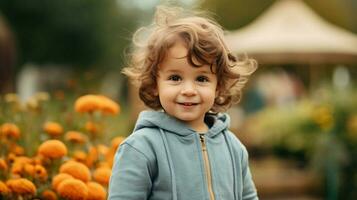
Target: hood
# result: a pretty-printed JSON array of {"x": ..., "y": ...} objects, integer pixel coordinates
[{"x": 152, "y": 119}]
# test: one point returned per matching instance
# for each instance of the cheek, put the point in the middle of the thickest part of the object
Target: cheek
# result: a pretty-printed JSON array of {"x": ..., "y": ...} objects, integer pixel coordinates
[
  {"x": 210, "y": 94},
  {"x": 165, "y": 95}
]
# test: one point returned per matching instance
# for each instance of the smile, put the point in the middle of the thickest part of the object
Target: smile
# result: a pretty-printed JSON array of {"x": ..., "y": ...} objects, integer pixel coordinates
[{"x": 188, "y": 104}]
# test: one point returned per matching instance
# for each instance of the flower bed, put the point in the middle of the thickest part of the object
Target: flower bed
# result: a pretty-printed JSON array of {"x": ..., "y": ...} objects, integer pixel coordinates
[{"x": 63, "y": 153}]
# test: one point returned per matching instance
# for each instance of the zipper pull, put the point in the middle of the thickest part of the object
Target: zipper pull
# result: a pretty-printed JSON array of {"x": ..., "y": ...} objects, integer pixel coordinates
[{"x": 202, "y": 138}]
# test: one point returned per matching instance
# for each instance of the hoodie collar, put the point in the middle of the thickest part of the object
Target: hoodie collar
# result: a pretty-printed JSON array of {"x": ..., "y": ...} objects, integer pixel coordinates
[{"x": 168, "y": 123}]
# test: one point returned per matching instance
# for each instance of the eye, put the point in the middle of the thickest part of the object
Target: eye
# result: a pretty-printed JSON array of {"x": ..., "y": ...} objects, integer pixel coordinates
[
  {"x": 202, "y": 79},
  {"x": 174, "y": 77}
]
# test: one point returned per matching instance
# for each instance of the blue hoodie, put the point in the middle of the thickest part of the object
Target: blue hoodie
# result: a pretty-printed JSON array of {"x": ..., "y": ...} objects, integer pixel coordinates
[{"x": 163, "y": 159}]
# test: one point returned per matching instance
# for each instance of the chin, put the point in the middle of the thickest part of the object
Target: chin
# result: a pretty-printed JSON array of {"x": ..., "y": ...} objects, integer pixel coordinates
[{"x": 187, "y": 118}]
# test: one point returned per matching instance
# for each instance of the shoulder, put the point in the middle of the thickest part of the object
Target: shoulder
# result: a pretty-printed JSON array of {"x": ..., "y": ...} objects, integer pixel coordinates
[
  {"x": 234, "y": 139},
  {"x": 144, "y": 140},
  {"x": 237, "y": 145},
  {"x": 143, "y": 135}
]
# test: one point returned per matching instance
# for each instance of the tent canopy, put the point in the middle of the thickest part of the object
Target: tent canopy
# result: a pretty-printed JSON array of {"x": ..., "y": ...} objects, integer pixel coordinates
[{"x": 290, "y": 31}]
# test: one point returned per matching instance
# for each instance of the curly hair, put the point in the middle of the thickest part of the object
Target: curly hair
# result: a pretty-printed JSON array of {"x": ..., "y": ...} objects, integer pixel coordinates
[{"x": 204, "y": 39}]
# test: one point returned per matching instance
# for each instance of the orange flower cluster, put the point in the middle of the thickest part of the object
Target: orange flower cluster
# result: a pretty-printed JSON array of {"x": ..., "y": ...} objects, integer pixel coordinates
[
  {"x": 77, "y": 170},
  {"x": 64, "y": 166},
  {"x": 4, "y": 190},
  {"x": 58, "y": 179},
  {"x": 21, "y": 186},
  {"x": 53, "y": 129},
  {"x": 91, "y": 127},
  {"x": 49, "y": 195},
  {"x": 73, "y": 189},
  {"x": 102, "y": 175},
  {"x": 3, "y": 165},
  {"x": 96, "y": 191},
  {"x": 75, "y": 137},
  {"x": 52, "y": 149},
  {"x": 116, "y": 142},
  {"x": 10, "y": 130},
  {"x": 92, "y": 103}
]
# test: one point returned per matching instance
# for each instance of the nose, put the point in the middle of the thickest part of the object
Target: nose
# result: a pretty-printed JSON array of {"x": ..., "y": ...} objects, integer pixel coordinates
[{"x": 188, "y": 89}]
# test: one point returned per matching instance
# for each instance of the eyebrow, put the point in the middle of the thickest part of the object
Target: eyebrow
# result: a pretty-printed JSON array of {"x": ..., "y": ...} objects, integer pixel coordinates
[
  {"x": 205, "y": 71},
  {"x": 172, "y": 70},
  {"x": 179, "y": 71}
]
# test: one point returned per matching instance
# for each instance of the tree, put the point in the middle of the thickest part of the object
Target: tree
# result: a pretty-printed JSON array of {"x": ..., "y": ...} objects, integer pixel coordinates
[{"x": 79, "y": 33}]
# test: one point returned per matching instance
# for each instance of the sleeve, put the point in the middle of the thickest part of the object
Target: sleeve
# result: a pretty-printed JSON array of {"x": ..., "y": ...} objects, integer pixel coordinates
[
  {"x": 249, "y": 190},
  {"x": 130, "y": 178}
]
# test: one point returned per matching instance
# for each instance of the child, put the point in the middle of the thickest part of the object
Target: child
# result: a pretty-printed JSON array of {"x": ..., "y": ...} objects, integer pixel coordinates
[{"x": 183, "y": 150}]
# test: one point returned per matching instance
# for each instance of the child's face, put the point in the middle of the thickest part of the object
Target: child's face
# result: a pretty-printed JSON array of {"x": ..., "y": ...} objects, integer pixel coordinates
[{"x": 186, "y": 92}]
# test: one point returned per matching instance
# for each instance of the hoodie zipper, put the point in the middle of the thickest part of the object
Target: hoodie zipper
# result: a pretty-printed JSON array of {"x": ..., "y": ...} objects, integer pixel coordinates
[{"x": 207, "y": 166}]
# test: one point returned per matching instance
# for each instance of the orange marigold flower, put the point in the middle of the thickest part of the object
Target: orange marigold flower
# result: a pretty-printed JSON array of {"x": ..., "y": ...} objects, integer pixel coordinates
[
  {"x": 109, "y": 157},
  {"x": 73, "y": 189},
  {"x": 75, "y": 137},
  {"x": 96, "y": 191},
  {"x": 38, "y": 159},
  {"x": 17, "y": 150},
  {"x": 102, "y": 149},
  {"x": 56, "y": 180},
  {"x": 3, "y": 165},
  {"x": 87, "y": 103},
  {"x": 23, "y": 159},
  {"x": 102, "y": 175},
  {"x": 52, "y": 149},
  {"x": 3, "y": 188},
  {"x": 92, "y": 156},
  {"x": 91, "y": 127},
  {"x": 91, "y": 103},
  {"x": 10, "y": 130},
  {"x": 103, "y": 164},
  {"x": 29, "y": 169},
  {"x": 41, "y": 172},
  {"x": 53, "y": 128},
  {"x": 17, "y": 167},
  {"x": 21, "y": 186},
  {"x": 116, "y": 142},
  {"x": 77, "y": 170},
  {"x": 11, "y": 158},
  {"x": 79, "y": 156},
  {"x": 108, "y": 106},
  {"x": 49, "y": 195}
]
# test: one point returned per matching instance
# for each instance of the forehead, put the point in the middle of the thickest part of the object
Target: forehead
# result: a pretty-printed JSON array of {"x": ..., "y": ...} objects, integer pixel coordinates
[
  {"x": 178, "y": 53},
  {"x": 178, "y": 50}
]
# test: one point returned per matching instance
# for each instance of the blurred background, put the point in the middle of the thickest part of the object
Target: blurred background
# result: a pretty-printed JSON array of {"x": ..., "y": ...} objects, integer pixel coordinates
[{"x": 298, "y": 115}]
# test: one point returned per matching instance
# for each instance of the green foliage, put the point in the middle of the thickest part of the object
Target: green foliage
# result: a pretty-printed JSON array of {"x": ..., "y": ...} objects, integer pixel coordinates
[
  {"x": 234, "y": 14},
  {"x": 321, "y": 131},
  {"x": 68, "y": 32}
]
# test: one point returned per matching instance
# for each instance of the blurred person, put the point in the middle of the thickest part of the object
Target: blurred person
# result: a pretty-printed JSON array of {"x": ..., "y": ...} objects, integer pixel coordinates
[{"x": 183, "y": 149}]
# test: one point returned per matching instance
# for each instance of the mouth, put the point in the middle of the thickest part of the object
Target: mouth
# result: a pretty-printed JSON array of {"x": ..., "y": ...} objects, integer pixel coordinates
[{"x": 188, "y": 104}]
